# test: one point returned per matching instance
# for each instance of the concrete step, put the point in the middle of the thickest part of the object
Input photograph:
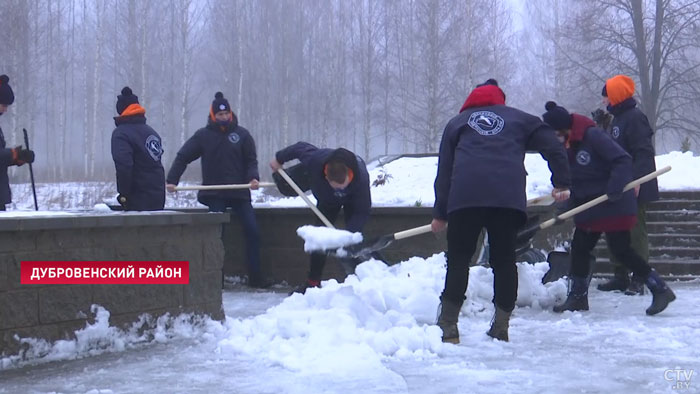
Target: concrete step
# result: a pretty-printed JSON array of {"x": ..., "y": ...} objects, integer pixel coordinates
[
  {"x": 681, "y": 215},
  {"x": 674, "y": 205},
  {"x": 688, "y": 195},
  {"x": 665, "y": 267},
  {"x": 659, "y": 252},
  {"x": 673, "y": 227},
  {"x": 667, "y": 239}
]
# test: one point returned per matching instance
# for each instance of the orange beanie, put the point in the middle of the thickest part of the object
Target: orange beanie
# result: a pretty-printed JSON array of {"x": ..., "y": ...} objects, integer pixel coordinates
[{"x": 619, "y": 88}]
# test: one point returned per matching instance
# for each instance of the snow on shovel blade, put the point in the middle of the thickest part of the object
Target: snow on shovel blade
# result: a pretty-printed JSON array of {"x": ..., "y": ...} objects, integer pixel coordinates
[
  {"x": 365, "y": 249},
  {"x": 317, "y": 239}
]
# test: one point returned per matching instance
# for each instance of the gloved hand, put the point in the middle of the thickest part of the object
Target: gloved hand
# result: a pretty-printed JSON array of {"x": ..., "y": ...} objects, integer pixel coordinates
[
  {"x": 21, "y": 156},
  {"x": 122, "y": 200}
]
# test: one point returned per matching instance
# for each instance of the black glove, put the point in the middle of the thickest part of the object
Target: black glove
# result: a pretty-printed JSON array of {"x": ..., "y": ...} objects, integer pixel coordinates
[
  {"x": 121, "y": 200},
  {"x": 21, "y": 156}
]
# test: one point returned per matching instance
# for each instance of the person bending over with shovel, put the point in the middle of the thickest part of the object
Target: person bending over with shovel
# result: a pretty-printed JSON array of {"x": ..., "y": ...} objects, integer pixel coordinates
[
  {"x": 600, "y": 166},
  {"x": 9, "y": 156},
  {"x": 339, "y": 179},
  {"x": 228, "y": 157},
  {"x": 480, "y": 183}
]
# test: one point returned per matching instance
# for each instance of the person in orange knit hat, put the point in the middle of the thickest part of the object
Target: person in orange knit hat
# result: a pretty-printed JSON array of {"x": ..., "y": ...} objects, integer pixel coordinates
[
  {"x": 630, "y": 128},
  {"x": 136, "y": 151}
]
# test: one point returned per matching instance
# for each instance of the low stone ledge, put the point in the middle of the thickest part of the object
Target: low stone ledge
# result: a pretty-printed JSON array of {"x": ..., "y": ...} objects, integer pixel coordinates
[{"x": 55, "y": 311}]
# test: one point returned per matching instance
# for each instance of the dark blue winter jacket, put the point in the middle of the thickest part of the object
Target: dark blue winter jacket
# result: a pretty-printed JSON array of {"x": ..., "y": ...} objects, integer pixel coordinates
[
  {"x": 482, "y": 154},
  {"x": 355, "y": 199},
  {"x": 228, "y": 157},
  {"x": 600, "y": 166},
  {"x": 137, "y": 151},
  {"x": 5, "y": 162},
  {"x": 631, "y": 129}
]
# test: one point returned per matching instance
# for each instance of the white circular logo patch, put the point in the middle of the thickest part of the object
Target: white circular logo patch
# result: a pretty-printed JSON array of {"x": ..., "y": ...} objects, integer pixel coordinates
[
  {"x": 583, "y": 158},
  {"x": 486, "y": 122},
  {"x": 234, "y": 138},
  {"x": 154, "y": 147},
  {"x": 615, "y": 132},
  {"x": 222, "y": 107}
]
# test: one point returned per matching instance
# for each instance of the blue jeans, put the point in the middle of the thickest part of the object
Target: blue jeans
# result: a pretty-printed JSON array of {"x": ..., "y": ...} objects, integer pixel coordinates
[{"x": 245, "y": 213}]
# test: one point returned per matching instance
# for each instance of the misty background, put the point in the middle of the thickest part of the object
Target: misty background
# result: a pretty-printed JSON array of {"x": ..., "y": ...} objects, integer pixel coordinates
[{"x": 376, "y": 77}]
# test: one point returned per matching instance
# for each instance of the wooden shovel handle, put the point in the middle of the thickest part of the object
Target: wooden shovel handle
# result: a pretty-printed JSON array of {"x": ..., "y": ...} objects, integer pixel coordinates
[
  {"x": 603, "y": 198},
  {"x": 223, "y": 187}
]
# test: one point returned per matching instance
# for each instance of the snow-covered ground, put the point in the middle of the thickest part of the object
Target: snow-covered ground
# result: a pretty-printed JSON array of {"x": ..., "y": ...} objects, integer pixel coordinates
[
  {"x": 375, "y": 334},
  {"x": 409, "y": 182}
]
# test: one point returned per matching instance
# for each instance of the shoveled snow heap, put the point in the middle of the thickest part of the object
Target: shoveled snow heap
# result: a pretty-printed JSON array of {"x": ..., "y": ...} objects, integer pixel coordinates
[
  {"x": 325, "y": 238},
  {"x": 380, "y": 312}
]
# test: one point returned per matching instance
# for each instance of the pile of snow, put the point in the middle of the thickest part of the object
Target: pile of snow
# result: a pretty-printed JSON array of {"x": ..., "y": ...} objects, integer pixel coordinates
[
  {"x": 684, "y": 174},
  {"x": 380, "y": 312},
  {"x": 326, "y": 238}
]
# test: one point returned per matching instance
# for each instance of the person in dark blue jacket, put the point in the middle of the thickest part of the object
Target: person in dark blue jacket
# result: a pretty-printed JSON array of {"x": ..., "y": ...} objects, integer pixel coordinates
[
  {"x": 228, "y": 156},
  {"x": 9, "y": 156},
  {"x": 600, "y": 166},
  {"x": 136, "y": 151},
  {"x": 480, "y": 184},
  {"x": 339, "y": 179},
  {"x": 630, "y": 128}
]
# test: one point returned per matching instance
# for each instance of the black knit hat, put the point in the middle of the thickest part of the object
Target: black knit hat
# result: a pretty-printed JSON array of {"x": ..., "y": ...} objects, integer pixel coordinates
[
  {"x": 219, "y": 104},
  {"x": 126, "y": 99},
  {"x": 7, "y": 96},
  {"x": 557, "y": 117}
]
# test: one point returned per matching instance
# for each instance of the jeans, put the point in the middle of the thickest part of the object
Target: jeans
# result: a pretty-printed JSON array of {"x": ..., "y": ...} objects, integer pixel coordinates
[{"x": 244, "y": 210}]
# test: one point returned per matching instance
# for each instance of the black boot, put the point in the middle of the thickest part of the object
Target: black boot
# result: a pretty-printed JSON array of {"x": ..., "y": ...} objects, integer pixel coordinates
[
  {"x": 499, "y": 325},
  {"x": 661, "y": 293},
  {"x": 619, "y": 282},
  {"x": 447, "y": 320},
  {"x": 636, "y": 286},
  {"x": 577, "y": 300}
]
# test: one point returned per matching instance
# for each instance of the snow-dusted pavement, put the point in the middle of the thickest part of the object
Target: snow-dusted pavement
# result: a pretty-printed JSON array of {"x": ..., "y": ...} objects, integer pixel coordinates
[{"x": 374, "y": 334}]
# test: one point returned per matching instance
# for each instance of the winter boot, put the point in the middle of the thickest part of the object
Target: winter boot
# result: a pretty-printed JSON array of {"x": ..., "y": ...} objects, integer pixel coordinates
[
  {"x": 447, "y": 320},
  {"x": 499, "y": 325},
  {"x": 636, "y": 286},
  {"x": 308, "y": 284},
  {"x": 577, "y": 300},
  {"x": 661, "y": 293},
  {"x": 619, "y": 282}
]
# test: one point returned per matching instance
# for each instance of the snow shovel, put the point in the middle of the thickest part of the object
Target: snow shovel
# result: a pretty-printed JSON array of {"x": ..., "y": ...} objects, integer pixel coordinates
[
  {"x": 529, "y": 233},
  {"x": 222, "y": 187},
  {"x": 365, "y": 249}
]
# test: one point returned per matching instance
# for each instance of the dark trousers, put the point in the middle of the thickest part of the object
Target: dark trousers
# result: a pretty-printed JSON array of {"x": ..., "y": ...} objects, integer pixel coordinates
[
  {"x": 619, "y": 244},
  {"x": 639, "y": 236},
  {"x": 464, "y": 227},
  {"x": 244, "y": 210},
  {"x": 2, "y": 207},
  {"x": 318, "y": 259}
]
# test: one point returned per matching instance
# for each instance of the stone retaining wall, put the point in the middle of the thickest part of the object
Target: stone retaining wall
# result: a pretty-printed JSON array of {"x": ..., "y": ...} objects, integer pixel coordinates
[{"x": 55, "y": 311}]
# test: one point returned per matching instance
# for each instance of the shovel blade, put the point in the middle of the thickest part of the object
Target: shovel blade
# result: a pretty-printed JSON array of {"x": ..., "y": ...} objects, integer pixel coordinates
[{"x": 365, "y": 249}]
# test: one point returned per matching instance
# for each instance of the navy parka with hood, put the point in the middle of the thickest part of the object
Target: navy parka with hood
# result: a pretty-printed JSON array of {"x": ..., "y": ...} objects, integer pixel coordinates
[
  {"x": 355, "y": 198},
  {"x": 137, "y": 151},
  {"x": 482, "y": 154}
]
